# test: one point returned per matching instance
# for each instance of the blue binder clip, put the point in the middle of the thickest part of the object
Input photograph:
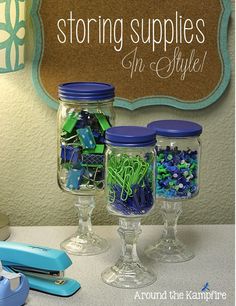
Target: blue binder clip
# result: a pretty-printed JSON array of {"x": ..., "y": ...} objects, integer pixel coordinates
[
  {"x": 86, "y": 138},
  {"x": 14, "y": 289},
  {"x": 74, "y": 178}
]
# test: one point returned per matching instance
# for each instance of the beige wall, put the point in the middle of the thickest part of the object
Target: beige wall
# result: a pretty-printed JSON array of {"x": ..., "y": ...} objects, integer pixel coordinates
[{"x": 28, "y": 188}]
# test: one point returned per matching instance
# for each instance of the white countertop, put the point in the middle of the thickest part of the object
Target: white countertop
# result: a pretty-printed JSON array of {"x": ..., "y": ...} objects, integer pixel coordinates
[{"x": 214, "y": 263}]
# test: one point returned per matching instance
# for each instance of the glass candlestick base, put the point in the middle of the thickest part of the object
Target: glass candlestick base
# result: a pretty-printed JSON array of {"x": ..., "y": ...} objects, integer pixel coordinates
[
  {"x": 85, "y": 241},
  {"x": 128, "y": 272},
  {"x": 170, "y": 249}
]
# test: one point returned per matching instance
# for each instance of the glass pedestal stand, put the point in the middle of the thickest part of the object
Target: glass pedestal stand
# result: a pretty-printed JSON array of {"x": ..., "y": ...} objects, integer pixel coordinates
[
  {"x": 4, "y": 227},
  {"x": 129, "y": 272},
  {"x": 170, "y": 248},
  {"x": 85, "y": 241}
]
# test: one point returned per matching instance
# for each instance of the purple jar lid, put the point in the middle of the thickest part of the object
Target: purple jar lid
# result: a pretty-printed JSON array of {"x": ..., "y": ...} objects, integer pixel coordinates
[
  {"x": 130, "y": 136},
  {"x": 176, "y": 128},
  {"x": 89, "y": 91}
]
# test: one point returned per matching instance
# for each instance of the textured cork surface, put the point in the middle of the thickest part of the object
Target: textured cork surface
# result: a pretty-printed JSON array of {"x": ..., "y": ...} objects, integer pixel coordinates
[{"x": 101, "y": 63}]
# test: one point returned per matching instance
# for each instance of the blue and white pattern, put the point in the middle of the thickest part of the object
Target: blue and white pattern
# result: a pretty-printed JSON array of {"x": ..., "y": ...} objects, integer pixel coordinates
[
  {"x": 93, "y": 159},
  {"x": 12, "y": 35},
  {"x": 86, "y": 138}
]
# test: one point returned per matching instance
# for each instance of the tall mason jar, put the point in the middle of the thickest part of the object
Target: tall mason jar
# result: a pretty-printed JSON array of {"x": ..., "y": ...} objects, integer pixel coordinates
[{"x": 85, "y": 113}]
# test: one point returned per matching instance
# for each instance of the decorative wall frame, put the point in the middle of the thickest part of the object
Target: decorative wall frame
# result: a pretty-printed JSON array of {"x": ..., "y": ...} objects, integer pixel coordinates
[
  {"x": 55, "y": 62},
  {"x": 12, "y": 35}
]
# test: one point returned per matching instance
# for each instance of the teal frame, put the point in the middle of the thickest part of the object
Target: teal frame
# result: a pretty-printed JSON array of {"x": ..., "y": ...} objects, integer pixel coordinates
[{"x": 144, "y": 101}]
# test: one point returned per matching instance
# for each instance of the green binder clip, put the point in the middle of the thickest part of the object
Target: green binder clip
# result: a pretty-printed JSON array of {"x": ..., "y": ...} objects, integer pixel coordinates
[
  {"x": 70, "y": 122},
  {"x": 103, "y": 121},
  {"x": 99, "y": 149}
]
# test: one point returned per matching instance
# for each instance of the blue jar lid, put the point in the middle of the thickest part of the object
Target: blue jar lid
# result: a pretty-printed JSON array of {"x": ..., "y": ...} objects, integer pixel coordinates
[
  {"x": 89, "y": 91},
  {"x": 130, "y": 136},
  {"x": 176, "y": 128}
]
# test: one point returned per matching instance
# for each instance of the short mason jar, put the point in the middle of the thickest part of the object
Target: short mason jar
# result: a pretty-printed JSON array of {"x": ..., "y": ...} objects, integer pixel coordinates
[
  {"x": 177, "y": 158},
  {"x": 130, "y": 190},
  {"x": 85, "y": 113},
  {"x": 130, "y": 170}
]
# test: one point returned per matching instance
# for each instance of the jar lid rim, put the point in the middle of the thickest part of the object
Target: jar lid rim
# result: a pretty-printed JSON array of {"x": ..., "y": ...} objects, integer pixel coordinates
[
  {"x": 89, "y": 91},
  {"x": 176, "y": 128},
  {"x": 130, "y": 136}
]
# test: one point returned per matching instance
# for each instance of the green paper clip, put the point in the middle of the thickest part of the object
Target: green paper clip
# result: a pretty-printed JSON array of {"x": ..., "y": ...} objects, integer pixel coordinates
[
  {"x": 70, "y": 122},
  {"x": 114, "y": 176},
  {"x": 126, "y": 172},
  {"x": 102, "y": 121}
]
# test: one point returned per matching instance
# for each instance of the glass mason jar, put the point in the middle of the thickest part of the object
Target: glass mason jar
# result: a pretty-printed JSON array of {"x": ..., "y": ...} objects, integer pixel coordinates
[
  {"x": 130, "y": 191},
  {"x": 83, "y": 117},
  {"x": 177, "y": 167},
  {"x": 130, "y": 180},
  {"x": 85, "y": 113},
  {"x": 177, "y": 178}
]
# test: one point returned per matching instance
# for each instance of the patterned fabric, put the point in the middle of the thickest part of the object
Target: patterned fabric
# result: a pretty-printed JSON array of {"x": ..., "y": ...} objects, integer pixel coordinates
[
  {"x": 74, "y": 178},
  {"x": 12, "y": 35},
  {"x": 92, "y": 159},
  {"x": 86, "y": 138}
]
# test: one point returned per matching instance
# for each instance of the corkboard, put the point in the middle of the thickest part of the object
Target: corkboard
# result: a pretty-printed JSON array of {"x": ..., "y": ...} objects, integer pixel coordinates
[{"x": 57, "y": 62}]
